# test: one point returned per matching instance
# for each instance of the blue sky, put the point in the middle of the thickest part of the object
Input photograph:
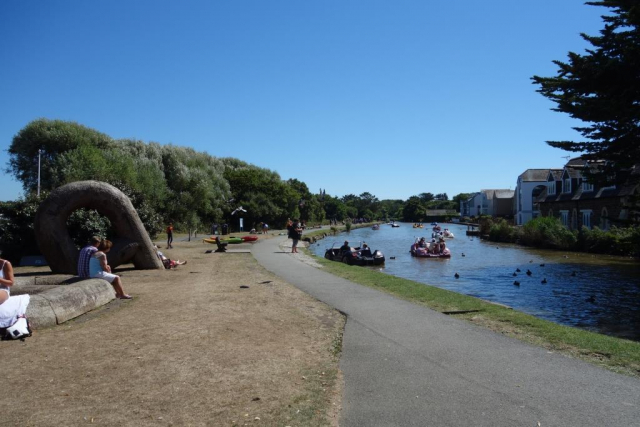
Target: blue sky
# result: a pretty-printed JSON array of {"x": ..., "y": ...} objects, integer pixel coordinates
[{"x": 391, "y": 97}]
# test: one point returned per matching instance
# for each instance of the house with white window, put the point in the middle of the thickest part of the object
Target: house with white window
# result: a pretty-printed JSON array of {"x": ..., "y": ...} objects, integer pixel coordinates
[
  {"x": 529, "y": 186},
  {"x": 577, "y": 202}
]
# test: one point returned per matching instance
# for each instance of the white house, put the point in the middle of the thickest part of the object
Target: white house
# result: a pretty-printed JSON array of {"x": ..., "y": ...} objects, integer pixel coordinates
[
  {"x": 530, "y": 184},
  {"x": 478, "y": 204},
  {"x": 466, "y": 205},
  {"x": 491, "y": 202}
]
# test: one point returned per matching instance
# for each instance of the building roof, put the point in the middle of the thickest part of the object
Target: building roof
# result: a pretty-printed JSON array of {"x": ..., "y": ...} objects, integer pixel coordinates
[
  {"x": 557, "y": 174},
  {"x": 533, "y": 175},
  {"x": 504, "y": 194},
  {"x": 488, "y": 193},
  {"x": 440, "y": 212},
  {"x": 576, "y": 161},
  {"x": 573, "y": 172}
]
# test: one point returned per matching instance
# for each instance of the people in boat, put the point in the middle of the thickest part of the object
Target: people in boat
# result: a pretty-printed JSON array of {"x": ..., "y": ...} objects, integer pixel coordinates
[
  {"x": 422, "y": 243},
  {"x": 434, "y": 247},
  {"x": 345, "y": 247},
  {"x": 365, "y": 251},
  {"x": 442, "y": 247}
]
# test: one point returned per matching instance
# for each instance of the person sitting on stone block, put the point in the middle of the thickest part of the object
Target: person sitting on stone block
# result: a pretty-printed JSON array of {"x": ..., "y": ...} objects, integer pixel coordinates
[
  {"x": 85, "y": 256},
  {"x": 99, "y": 269}
]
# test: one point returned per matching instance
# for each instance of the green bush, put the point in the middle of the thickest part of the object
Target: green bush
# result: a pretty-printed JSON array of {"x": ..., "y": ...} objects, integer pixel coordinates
[
  {"x": 16, "y": 228},
  {"x": 347, "y": 225},
  {"x": 547, "y": 232},
  {"x": 617, "y": 241},
  {"x": 501, "y": 231}
]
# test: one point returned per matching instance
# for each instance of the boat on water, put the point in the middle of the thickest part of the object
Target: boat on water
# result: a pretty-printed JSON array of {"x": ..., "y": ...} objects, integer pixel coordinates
[
  {"x": 425, "y": 251},
  {"x": 376, "y": 227},
  {"x": 361, "y": 256},
  {"x": 418, "y": 225},
  {"x": 447, "y": 234},
  {"x": 395, "y": 224}
]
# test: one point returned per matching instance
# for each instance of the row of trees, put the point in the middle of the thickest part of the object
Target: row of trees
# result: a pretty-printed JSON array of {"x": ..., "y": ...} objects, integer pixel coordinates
[{"x": 167, "y": 183}]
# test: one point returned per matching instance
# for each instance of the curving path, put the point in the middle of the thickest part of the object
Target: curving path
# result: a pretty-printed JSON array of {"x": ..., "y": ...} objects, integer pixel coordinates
[{"x": 406, "y": 365}]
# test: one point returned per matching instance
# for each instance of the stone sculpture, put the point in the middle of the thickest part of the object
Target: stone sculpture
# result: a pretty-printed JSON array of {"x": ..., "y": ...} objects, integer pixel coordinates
[{"x": 132, "y": 245}]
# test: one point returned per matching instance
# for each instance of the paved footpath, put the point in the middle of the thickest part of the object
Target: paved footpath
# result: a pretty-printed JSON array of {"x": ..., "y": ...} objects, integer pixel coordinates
[{"x": 407, "y": 365}]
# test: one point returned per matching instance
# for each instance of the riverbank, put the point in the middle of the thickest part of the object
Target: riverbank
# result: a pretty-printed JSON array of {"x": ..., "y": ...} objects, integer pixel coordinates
[
  {"x": 219, "y": 341},
  {"x": 550, "y": 233},
  {"x": 617, "y": 354}
]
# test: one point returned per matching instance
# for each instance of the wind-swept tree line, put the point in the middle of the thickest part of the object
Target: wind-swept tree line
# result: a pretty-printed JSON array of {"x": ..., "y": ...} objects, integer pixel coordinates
[{"x": 167, "y": 183}]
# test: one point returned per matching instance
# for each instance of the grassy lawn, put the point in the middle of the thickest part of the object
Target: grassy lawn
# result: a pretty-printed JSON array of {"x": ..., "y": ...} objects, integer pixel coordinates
[{"x": 616, "y": 354}]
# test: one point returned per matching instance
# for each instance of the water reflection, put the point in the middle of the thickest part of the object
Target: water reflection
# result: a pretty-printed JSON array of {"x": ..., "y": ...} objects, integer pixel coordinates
[{"x": 594, "y": 292}]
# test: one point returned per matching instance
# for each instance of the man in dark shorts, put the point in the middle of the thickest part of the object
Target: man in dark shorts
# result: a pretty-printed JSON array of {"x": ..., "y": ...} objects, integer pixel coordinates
[{"x": 170, "y": 236}]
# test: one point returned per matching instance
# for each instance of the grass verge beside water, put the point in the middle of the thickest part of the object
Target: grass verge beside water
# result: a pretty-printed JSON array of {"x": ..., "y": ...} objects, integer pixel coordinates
[{"x": 616, "y": 354}]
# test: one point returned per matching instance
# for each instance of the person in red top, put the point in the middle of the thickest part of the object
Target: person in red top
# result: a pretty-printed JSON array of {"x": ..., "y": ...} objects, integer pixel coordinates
[{"x": 170, "y": 235}]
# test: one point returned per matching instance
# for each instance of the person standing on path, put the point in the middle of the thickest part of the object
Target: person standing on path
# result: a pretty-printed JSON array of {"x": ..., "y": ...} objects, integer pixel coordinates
[
  {"x": 85, "y": 256},
  {"x": 296, "y": 235},
  {"x": 265, "y": 228},
  {"x": 170, "y": 236}
]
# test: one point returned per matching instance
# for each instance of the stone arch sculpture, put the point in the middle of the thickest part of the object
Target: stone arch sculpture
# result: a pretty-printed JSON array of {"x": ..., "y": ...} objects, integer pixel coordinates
[{"x": 133, "y": 243}]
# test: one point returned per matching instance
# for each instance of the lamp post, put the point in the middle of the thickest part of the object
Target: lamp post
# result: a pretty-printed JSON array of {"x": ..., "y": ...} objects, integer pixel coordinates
[{"x": 39, "y": 152}]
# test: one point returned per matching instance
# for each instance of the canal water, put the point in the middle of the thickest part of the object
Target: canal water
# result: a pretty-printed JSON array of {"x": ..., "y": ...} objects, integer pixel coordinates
[{"x": 594, "y": 292}]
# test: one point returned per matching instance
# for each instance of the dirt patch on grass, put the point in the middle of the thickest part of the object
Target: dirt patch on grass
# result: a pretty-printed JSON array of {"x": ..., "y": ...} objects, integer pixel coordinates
[{"x": 192, "y": 348}]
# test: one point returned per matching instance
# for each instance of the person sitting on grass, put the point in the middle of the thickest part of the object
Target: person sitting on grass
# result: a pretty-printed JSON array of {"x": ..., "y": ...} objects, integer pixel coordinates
[
  {"x": 168, "y": 263},
  {"x": 99, "y": 269}
]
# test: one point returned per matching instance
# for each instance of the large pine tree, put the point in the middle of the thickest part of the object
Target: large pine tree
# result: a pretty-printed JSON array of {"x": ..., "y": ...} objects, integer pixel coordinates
[{"x": 602, "y": 89}]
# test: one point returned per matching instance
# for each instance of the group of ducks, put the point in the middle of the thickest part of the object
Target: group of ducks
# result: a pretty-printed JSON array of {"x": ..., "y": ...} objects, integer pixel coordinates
[{"x": 528, "y": 273}]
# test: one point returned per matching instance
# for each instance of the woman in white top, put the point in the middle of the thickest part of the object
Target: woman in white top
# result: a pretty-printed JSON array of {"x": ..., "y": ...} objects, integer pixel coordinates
[
  {"x": 11, "y": 308},
  {"x": 99, "y": 269}
]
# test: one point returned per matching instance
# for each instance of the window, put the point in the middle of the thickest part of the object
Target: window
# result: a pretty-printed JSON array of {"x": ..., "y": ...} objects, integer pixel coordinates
[
  {"x": 552, "y": 187},
  {"x": 586, "y": 218},
  {"x": 586, "y": 186},
  {"x": 564, "y": 218},
  {"x": 604, "y": 219},
  {"x": 566, "y": 184},
  {"x": 574, "y": 219}
]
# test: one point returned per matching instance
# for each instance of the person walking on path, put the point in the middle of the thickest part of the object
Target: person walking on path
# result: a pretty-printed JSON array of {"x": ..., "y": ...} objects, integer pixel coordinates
[
  {"x": 170, "y": 236},
  {"x": 99, "y": 269},
  {"x": 85, "y": 256},
  {"x": 265, "y": 228}
]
